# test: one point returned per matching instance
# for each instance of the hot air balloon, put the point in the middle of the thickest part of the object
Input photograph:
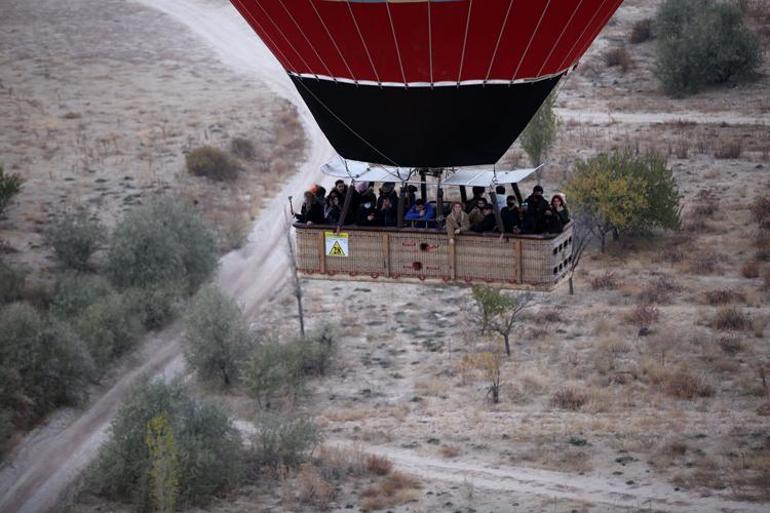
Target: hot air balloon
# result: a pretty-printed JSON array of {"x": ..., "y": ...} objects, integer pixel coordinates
[
  {"x": 409, "y": 91},
  {"x": 425, "y": 83}
]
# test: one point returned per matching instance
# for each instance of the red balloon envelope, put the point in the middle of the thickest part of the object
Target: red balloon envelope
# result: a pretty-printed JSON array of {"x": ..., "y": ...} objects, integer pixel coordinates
[{"x": 419, "y": 83}]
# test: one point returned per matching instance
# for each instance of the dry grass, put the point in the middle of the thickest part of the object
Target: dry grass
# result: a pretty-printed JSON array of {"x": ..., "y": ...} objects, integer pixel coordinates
[
  {"x": 643, "y": 315},
  {"x": 750, "y": 270},
  {"x": 570, "y": 397},
  {"x": 703, "y": 262},
  {"x": 618, "y": 56},
  {"x": 659, "y": 291},
  {"x": 608, "y": 281},
  {"x": 684, "y": 384},
  {"x": 336, "y": 462},
  {"x": 449, "y": 451},
  {"x": 378, "y": 465},
  {"x": 723, "y": 297},
  {"x": 731, "y": 319},
  {"x": 394, "y": 490},
  {"x": 730, "y": 344},
  {"x": 313, "y": 490},
  {"x": 730, "y": 149}
]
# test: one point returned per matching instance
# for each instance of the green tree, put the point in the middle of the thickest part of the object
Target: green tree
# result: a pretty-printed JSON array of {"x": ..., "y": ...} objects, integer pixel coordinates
[
  {"x": 208, "y": 448},
  {"x": 281, "y": 441},
  {"x": 623, "y": 192},
  {"x": 702, "y": 42},
  {"x": 164, "y": 241},
  {"x": 164, "y": 472},
  {"x": 217, "y": 339},
  {"x": 499, "y": 311},
  {"x": 274, "y": 369},
  {"x": 540, "y": 135},
  {"x": 10, "y": 186},
  {"x": 74, "y": 237}
]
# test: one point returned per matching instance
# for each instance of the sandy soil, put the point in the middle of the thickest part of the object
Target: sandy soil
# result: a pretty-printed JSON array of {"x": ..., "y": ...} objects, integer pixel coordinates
[{"x": 398, "y": 389}]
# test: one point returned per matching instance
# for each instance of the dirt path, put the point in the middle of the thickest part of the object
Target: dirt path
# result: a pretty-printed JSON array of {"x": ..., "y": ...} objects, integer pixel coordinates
[
  {"x": 615, "y": 493},
  {"x": 52, "y": 457},
  {"x": 651, "y": 118}
]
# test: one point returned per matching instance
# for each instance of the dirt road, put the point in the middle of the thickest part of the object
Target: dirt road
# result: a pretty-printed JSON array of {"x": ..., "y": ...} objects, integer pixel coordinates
[{"x": 53, "y": 456}]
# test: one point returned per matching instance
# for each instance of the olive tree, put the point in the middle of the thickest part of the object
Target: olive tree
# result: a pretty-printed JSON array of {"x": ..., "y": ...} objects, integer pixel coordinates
[
  {"x": 702, "y": 42},
  {"x": 217, "y": 340},
  {"x": 74, "y": 237},
  {"x": 207, "y": 448},
  {"x": 164, "y": 241},
  {"x": 499, "y": 311},
  {"x": 540, "y": 134}
]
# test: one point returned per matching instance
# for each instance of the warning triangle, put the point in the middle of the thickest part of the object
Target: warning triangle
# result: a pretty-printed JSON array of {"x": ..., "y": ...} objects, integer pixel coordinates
[{"x": 336, "y": 250}]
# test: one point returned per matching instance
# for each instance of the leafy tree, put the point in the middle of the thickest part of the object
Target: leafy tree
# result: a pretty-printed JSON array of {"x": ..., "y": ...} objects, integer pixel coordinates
[
  {"x": 75, "y": 236},
  {"x": 540, "y": 134},
  {"x": 208, "y": 448},
  {"x": 274, "y": 369},
  {"x": 109, "y": 327},
  {"x": 217, "y": 339},
  {"x": 702, "y": 42},
  {"x": 10, "y": 186},
  {"x": 75, "y": 292},
  {"x": 164, "y": 458},
  {"x": 500, "y": 310},
  {"x": 43, "y": 364},
  {"x": 162, "y": 242},
  {"x": 624, "y": 192}
]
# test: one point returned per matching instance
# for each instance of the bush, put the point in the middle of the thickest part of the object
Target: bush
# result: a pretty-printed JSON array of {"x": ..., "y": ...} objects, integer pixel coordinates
[
  {"x": 157, "y": 304},
  {"x": 702, "y": 42},
  {"x": 6, "y": 430},
  {"x": 624, "y": 192},
  {"x": 243, "y": 148},
  {"x": 313, "y": 489},
  {"x": 217, "y": 339},
  {"x": 618, "y": 56},
  {"x": 683, "y": 384},
  {"x": 74, "y": 293},
  {"x": 12, "y": 282},
  {"x": 212, "y": 163},
  {"x": 274, "y": 369},
  {"x": 163, "y": 242},
  {"x": 207, "y": 446},
  {"x": 74, "y": 237},
  {"x": 10, "y": 186},
  {"x": 43, "y": 364},
  {"x": 608, "y": 280},
  {"x": 283, "y": 442},
  {"x": 109, "y": 328},
  {"x": 570, "y": 397},
  {"x": 728, "y": 318},
  {"x": 750, "y": 270},
  {"x": 317, "y": 351},
  {"x": 641, "y": 31}
]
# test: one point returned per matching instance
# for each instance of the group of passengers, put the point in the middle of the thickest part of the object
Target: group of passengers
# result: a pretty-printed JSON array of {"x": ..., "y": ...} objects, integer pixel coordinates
[{"x": 535, "y": 215}]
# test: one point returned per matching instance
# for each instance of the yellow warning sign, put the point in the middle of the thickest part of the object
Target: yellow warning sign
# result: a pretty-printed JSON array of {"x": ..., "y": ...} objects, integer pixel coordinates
[{"x": 336, "y": 244}]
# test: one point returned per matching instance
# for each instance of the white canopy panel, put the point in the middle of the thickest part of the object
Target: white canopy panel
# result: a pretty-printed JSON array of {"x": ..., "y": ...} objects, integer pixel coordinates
[{"x": 363, "y": 172}]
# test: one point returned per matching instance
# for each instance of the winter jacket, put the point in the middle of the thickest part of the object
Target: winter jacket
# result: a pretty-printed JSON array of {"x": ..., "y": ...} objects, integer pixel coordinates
[
  {"x": 421, "y": 220},
  {"x": 452, "y": 224}
]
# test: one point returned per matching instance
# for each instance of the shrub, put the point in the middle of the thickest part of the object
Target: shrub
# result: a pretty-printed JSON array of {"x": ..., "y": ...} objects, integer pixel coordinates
[
  {"x": 723, "y": 296},
  {"x": 730, "y": 318},
  {"x": 208, "y": 448},
  {"x": 313, "y": 489},
  {"x": 608, "y": 280},
  {"x": 641, "y": 31},
  {"x": 217, "y": 339},
  {"x": 274, "y": 369},
  {"x": 12, "y": 282},
  {"x": 109, "y": 328},
  {"x": 395, "y": 489},
  {"x": 317, "y": 351},
  {"x": 243, "y": 148},
  {"x": 540, "y": 134},
  {"x": 283, "y": 442},
  {"x": 761, "y": 210},
  {"x": 43, "y": 364},
  {"x": 570, "y": 397},
  {"x": 378, "y": 465},
  {"x": 659, "y": 290},
  {"x": 6, "y": 430},
  {"x": 74, "y": 293},
  {"x": 618, "y": 56},
  {"x": 643, "y": 315},
  {"x": 622, "y": 192},
  {"x": 160, "y": 243},
  {"x": 212, "y": 163},
  {"x": 750, "y": 270},
  {"x": 10, "y": 186},
  {"x": 74, "y": 237},
  {"x": 683, "y": 384},
  {"x": 157, "y": 304},
  {"x": 702, "y": 42}
]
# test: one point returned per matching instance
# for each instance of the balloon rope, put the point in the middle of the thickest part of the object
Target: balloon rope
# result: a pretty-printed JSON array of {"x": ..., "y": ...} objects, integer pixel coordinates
[
  {"x": 430, "y": 45},
  {"x": 596, "y": 32},
  {"x": 331, "y": 36},
  {"x": 566, "y": 56},
  {"x": 363, "y": 42},
  {"x": 395, "y": 41},
  {"x": 465, "y": 43},
  {"x": 263, "y": 34},
  {"x": 563, "y": 31},
  {"x": 531, "y": 38},
  {"x": 499, "y": 38},
  {"x": 278, "y": 29},
  {"x": 320, "y": 59}
]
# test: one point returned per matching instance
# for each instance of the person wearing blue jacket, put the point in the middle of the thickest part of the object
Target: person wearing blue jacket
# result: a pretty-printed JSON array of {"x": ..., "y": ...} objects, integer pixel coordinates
[{"x": 420, "y": 214}]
